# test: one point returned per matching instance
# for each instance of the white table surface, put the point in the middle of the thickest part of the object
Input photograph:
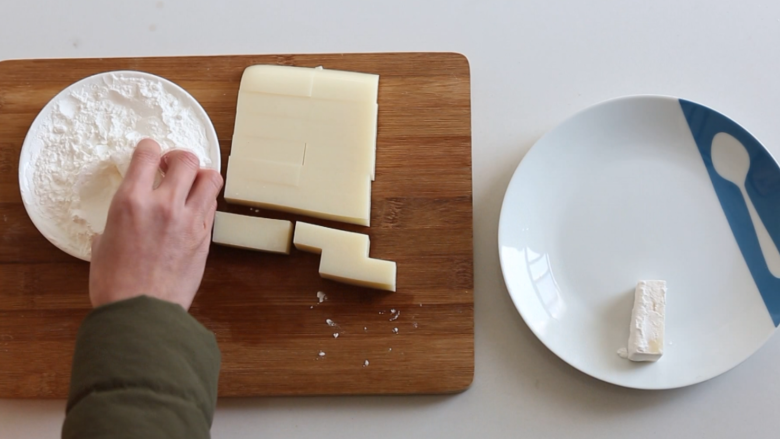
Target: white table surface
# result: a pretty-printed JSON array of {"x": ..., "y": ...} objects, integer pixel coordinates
[{"x": 533, "y": 63}]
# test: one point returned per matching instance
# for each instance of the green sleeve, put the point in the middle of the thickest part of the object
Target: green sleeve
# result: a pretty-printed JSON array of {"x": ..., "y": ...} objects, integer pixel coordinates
[{"x": 143, "y": 368}]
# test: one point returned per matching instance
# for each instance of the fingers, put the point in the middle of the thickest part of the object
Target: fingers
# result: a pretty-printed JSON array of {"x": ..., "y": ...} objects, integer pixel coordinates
[
  {"x": 208, "y": 221},
  {"x": 204, "y": 191},
  {"x": 181, "y": 168},
  {"x": 96, "y": 242},
  {"x": 143, "y": 166},
  {"x": 208, "y": 224}
]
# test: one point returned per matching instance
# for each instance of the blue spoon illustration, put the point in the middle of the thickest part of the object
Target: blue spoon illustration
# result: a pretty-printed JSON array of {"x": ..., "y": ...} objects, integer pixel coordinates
[{"x": 732, "y": 162}]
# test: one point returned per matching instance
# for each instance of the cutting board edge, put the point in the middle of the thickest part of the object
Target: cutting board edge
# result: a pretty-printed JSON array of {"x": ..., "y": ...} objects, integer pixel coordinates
[{"x": 5, "y": 62}]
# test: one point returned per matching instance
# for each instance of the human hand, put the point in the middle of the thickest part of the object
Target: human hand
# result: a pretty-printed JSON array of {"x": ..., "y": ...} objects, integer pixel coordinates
[{"x": 156, "y": 240}]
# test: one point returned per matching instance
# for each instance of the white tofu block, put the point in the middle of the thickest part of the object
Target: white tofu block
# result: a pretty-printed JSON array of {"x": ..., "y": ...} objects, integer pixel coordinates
[
  {"x": 250, "y": 175},
  {"x": 312, "y": 154},
  {"x": 276, "y": 105},
  {"x": 646, "y": 334},
  {"x": 289, "y": 188},
  {"x": 252, "y": 233},
  {"x": 345, "y": 256},
  {"x": 269, "y": 127},
  {"x": 271, "y": 150},
  {"x": 338, "y": 85},
  {"x": 282, "y": 80},
  {"x": 275, "y": 127}
]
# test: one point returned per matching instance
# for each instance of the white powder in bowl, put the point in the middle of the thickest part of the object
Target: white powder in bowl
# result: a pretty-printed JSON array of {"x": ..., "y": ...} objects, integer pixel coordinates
[{"x": 85, "y": 141}]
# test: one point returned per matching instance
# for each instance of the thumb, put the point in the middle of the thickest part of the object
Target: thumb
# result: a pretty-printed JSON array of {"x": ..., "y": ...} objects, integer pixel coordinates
[{"x": 144, "y": 165}]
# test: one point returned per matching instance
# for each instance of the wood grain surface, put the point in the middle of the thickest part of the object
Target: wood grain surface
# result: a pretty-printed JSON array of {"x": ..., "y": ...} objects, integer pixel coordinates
[{"x": 263, "y": 308}]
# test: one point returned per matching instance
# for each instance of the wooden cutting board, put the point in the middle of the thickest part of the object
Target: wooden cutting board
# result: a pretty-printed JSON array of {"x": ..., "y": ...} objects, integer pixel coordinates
[{"x": 263, "y": 308}]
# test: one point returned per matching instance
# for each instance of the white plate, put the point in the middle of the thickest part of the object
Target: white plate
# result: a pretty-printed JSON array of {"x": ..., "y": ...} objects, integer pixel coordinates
[
  {"x": 627, "y": 190},
  {"x": 32, "y": 147}
]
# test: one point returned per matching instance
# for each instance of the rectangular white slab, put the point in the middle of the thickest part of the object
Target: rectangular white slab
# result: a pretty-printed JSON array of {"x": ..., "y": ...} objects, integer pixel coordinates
[
  {"x": 305, "y": 142},
  {"x": 252, "y": 233},
  {"x": 345, "y": 256},
  {"x": 646, "y": 335}
]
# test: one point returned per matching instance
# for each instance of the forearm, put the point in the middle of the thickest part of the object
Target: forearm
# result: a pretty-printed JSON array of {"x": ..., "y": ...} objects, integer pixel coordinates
[{"x": 142, "y": 368}]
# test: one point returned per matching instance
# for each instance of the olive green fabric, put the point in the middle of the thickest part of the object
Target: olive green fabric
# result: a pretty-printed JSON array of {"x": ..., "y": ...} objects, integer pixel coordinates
[{"x": 143, "y": 368}]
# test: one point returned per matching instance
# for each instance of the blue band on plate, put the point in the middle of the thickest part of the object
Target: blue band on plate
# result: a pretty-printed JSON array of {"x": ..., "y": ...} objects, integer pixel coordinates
[{"x": 762, "y": 185}]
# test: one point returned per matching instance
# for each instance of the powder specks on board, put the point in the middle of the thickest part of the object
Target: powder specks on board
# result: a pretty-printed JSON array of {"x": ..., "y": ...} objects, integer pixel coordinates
[
  {"x": 395, "y": 330},
  {"x": 330, "y": 322},
  {"x": 395, "y": 317},
  {"x": 321, "y": 297},
  {"x": 366, "y": 363},
  {"x": 335, "y": 335}
]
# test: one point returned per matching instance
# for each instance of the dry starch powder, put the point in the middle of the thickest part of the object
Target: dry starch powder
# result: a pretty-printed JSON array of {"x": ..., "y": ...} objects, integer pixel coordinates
[{"x": 88, "y": 139}]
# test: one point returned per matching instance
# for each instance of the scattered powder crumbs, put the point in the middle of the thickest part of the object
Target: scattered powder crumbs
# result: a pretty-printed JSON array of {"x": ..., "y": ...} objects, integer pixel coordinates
[
  {"x": 365, "y": 329},
  {"x": 381, "y": 312},
  {"x": 395, "y": 330},
  {"x": 365, "y": 363},
  {"x": 311, "y": 307},
  {"x": 421, "y": 305},
  {"x": 415, "y": 325},
  {"x": 336, "y": 335},
  {"x": 330, "y": 322},
  {"x": 392, "y": 311},
  {"x": 321, "y": 297},
  {"x": 395, "y": 317},
  {"x": 321, "y": 354},
  {"x": 389, "y": 349}
]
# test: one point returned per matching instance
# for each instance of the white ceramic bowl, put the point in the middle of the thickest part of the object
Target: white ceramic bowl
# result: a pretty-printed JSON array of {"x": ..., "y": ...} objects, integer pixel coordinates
[
  {"x": 633, "y": 189},
  {"x": 33, "y": 144}
]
